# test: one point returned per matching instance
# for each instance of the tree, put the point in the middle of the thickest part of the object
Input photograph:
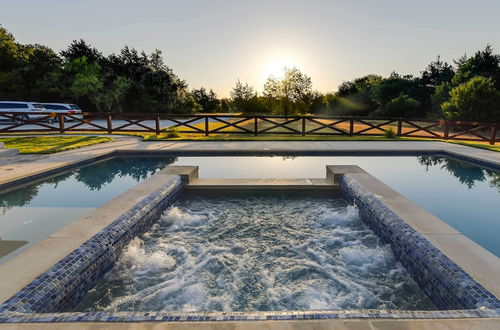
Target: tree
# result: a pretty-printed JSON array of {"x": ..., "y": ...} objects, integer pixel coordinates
[
  {"x": 87, "y": 77},
  {"x": 390, "y": 88},
  {"x": 358, "y": 85},
  {"x": 294, "y": 88},
  {"x": 483, "y": 63},
  {"x": 185, "y": 103},
  {"x": 242, "y": 92},
  {"x": 318, "y": 103},
  {"x": 154, "y": 87},
  {"x": 474, "y": 100},
  {"x": 207, "y": 99},
  {"x": 110, "y": 97},
  {"x": 225, "y": 105},
  {"x": 437, "y": 73},
  {"x": 10, "y": 51},
  {"x": 245, "y": 99},
  {"x": 401, "y": 106},
  {"x": 88, "y": 81},
  {"x": 128, "y": 81},
  {"x": 356, "y": 97},
  {"x": 78, "y": 49},
  {"x": 441, "y": 95}
]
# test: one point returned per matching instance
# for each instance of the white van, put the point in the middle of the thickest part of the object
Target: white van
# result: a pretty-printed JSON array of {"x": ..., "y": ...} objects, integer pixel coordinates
[
  {"x": 71, "y": 109},
  {"x": 25, "y": 107}
]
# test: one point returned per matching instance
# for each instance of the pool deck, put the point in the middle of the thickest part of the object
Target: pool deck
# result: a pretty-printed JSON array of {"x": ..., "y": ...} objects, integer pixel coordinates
[{"x": 18, "y": 166}]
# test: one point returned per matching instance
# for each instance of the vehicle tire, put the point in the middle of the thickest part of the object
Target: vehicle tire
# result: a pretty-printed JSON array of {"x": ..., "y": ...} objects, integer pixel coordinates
[{"x": 19, "y": 119}]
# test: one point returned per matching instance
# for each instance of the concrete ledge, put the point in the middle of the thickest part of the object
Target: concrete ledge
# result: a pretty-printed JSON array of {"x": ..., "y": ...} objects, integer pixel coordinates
[
  {"x": 187, "y": 173},
  {"x": 260, "y": 184}
]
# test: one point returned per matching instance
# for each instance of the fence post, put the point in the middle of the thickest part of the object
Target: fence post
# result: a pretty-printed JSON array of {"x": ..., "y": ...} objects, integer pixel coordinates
[
  {"x": 351, "y": 127},
  {"x": 493, "y": 135},
  {"x": 400, "y": 127},
  {"x": 303, "y": 126},
  {"x": 446, "y": 130},
  {"x": 157, "y": 123},
  {"x": 60, "y": 118},
  {"x": 109, "y": 121},
  {"x": 206, "y": 126},
  {"x": 255, "y": 129}
]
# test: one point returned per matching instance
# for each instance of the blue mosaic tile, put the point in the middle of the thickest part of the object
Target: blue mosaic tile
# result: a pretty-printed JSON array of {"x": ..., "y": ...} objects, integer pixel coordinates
[{"x": 444, "y": 282}]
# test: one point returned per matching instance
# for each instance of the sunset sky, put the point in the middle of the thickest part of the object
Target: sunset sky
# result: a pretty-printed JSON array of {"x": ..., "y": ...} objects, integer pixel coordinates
[{"x": 213, "y": 43}]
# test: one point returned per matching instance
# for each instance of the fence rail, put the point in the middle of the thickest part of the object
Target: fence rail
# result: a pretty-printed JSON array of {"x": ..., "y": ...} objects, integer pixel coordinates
[{"x": 207, "y": 124}]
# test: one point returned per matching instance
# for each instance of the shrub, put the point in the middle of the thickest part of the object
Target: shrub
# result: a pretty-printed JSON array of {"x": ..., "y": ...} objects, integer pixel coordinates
[
  {"x": 474, "y": 100},
  {"x": 172, "y": 132},
  {"x": 401, "y": 106},
  {"x": 389, "y": 133}
]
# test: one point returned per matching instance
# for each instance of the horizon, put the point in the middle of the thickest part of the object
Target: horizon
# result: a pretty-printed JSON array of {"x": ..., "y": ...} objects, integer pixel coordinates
[{"x": 213, "y": 44}]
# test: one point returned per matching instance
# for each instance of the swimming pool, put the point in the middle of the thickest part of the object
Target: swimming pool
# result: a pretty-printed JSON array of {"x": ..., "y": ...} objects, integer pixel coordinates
[
  {"x": 302, "y": 243},
  {"x": 464, "y": 195}
]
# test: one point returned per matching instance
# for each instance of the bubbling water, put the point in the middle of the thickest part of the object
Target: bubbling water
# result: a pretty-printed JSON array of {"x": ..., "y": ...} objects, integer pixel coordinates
[{"x": 258, "y": 253}]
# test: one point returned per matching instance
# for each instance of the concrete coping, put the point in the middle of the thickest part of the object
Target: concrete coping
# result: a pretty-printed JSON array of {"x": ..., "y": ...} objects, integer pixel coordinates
[
  {"x": 187, "y": 173},
  {"x": 260, "y": 184},
  {"x": 480, "y": 264},
  {"x": 20, "y": 270}
]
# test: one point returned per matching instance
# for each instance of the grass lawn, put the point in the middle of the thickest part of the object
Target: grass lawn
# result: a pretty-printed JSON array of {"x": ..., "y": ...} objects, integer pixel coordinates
[{"x": 51, "y": 144}]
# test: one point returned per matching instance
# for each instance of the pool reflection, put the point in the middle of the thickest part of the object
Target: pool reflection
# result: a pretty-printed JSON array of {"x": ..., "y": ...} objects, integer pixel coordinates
[
  {"x": 37, "y": 210},
  {"x": 466, "y": 173}
]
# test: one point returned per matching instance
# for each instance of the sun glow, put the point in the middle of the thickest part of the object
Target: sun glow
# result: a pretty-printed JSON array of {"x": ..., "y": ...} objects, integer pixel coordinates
[{"x": 275, "y": 67}]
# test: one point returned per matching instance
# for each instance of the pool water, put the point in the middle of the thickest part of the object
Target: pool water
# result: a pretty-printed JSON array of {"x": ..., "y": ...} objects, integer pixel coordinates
[
  {"x": 35, "y": 211},
  {"x": 256, "y": 252},
  {"x": 464, "y": 195}
]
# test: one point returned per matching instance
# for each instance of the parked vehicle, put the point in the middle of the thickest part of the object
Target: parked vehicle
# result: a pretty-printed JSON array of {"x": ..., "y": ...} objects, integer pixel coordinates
[
  {"x": 71, "y": 109},
  {"x": 25, "y": 107}
]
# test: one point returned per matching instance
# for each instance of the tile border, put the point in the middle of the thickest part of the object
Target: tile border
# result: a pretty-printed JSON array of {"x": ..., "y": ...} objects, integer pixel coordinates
[
  {"x": 241, "y": 316},
  {"x": 445, "y": 283}
]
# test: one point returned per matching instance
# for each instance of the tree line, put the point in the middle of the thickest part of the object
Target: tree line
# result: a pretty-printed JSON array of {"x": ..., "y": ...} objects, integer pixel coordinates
[{"x": 133, "y": 81}]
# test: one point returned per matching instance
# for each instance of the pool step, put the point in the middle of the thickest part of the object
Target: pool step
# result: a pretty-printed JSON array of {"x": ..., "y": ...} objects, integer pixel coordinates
[{"x": 261, "y": 184}]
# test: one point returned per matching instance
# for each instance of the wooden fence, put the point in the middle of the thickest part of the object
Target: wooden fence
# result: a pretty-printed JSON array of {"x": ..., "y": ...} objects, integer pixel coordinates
[{"x": 207, "y": 124}]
